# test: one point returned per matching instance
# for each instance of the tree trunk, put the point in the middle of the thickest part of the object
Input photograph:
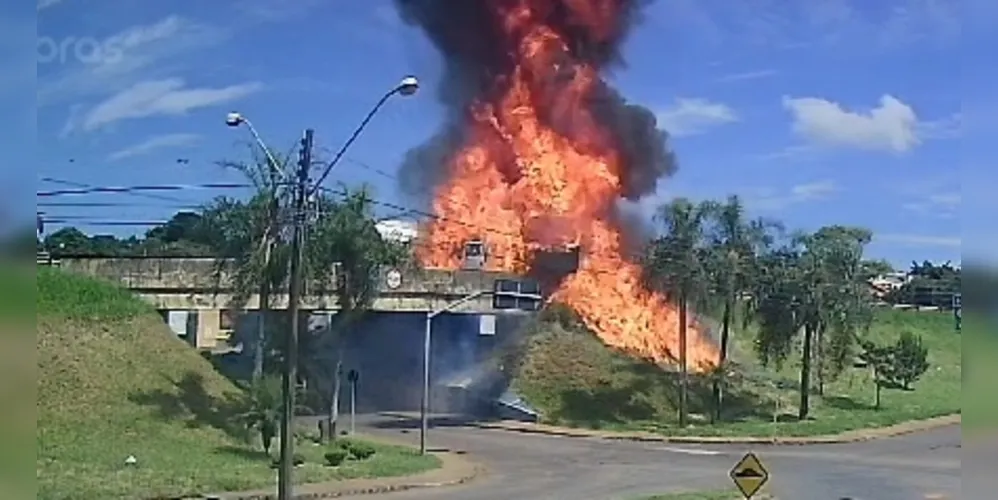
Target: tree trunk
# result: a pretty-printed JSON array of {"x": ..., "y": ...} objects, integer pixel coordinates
[
  {"x": 876, "y": 383},
  {"x": 805, "y": 375},
  {"x": 683, "y": 369},
  {"x": 819, "y": 361},
  {"x": 333, "y": 416},
  {"x": 261, "y": 333},
  {"x": 722, "y": 358},
  {"x": 260, "y": 341}
]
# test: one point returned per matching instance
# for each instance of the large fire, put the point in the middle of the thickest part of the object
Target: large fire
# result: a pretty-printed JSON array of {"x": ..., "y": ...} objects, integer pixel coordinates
[{"x": 522, "y": 186}]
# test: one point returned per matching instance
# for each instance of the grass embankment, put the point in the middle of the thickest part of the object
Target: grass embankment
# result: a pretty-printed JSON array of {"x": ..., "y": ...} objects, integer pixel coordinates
[
  {"x": 115, "y": 382},
  {"x": 17, "y": 375},
  {"x": 574, "y": 380}
]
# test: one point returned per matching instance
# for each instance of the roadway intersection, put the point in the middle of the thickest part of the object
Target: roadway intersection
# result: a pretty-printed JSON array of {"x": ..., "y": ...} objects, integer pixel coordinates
[{"x": 912, "y": 467}]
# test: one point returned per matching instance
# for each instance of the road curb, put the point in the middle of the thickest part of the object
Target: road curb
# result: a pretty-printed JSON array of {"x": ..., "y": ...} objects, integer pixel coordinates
[
  {"x": 463, "y": 470},
  {"x": 853, "y": 436}
]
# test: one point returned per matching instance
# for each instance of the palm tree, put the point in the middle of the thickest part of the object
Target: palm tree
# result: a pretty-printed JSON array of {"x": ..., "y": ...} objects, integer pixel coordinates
[
  {"x": 676, "y": 266},
  {"x": 345, "y": 237},
  {"x": 735, "y": 244},
  {"x": 249, "y": 248}
]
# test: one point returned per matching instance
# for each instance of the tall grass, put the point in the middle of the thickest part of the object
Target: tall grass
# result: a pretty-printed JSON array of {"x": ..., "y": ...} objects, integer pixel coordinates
[{"x": 62, "y": 294}]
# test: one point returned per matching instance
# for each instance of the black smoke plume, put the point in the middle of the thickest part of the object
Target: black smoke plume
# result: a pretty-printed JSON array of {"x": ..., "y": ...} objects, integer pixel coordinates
[{"x": 477, "y": 54}]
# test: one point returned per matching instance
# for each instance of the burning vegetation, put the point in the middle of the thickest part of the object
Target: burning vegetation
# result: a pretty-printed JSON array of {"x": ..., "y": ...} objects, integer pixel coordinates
[{"x": 538, "y": 151}]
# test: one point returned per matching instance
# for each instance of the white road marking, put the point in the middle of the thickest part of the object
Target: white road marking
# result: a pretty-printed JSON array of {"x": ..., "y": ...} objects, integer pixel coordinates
[{"x": 690, "y": 451}]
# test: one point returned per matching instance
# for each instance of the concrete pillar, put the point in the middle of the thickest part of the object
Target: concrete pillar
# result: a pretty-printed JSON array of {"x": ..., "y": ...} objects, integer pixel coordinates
[{"x": 207, "y": 328}]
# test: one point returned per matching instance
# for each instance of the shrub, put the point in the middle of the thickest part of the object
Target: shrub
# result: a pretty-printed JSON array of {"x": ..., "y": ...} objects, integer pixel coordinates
[
  {"x": 335, "y": 457},
  {"x": 910, "y": 359},
  {"x": 360, "y": 450}
]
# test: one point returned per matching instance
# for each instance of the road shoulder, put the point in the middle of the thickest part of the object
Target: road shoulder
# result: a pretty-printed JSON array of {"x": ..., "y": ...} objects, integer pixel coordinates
[{"x": 853, "y": 436}]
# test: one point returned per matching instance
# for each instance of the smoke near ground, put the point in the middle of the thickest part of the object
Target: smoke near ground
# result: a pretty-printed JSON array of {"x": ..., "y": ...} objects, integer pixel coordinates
[{"x": 477, "y": 55}]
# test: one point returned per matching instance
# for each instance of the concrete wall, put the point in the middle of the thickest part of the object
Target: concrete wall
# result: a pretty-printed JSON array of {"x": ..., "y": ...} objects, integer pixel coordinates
[{"x": 186, "y": 284}]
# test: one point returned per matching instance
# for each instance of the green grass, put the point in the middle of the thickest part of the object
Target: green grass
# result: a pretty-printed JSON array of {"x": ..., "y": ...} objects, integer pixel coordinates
[
  {"x": 114, "y": 382},
  {"x": 75, "y": 298},
  {"x": 981, "y": 353},
  {"x": 17, "y": 378},
  {"x": 574, "y": 380},
  {"x": 17, "y": 293}
]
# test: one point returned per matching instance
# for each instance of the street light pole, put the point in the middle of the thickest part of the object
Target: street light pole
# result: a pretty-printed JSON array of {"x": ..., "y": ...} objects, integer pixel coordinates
[
  {"x": 235, "y": 119},
  {"x": 290, "y": 379},
  {"x": 424, "y": 403},
  {"x": 275, "y": 173},
  {"x": 408, "y": 86}
]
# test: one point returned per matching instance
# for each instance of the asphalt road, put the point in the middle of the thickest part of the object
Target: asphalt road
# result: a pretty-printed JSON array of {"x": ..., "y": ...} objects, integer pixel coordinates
[{"x": 525, "y": 466}]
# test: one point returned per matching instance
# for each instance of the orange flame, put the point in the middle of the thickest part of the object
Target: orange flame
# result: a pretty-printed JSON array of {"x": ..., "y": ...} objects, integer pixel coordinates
[{"x": 557, "y": 191}]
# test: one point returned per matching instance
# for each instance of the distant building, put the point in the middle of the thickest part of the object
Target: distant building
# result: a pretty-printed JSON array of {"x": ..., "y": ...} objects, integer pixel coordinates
[
  {"x": 890, "y": 282},
  {"x": 402, "y": 231}
]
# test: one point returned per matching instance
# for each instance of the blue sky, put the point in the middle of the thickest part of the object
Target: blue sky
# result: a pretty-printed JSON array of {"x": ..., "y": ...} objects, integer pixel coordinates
[{"x": 817, "y": 112}]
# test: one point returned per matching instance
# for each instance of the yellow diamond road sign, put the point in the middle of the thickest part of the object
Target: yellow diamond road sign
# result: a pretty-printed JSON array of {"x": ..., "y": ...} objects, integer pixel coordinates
[{"x": 749, "y": 475}]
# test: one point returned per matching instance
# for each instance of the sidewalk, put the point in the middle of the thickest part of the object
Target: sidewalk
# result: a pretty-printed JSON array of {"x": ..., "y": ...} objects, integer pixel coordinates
[
  {"x": 854, "y": 436},
  {"x": 454, "y": 470}
]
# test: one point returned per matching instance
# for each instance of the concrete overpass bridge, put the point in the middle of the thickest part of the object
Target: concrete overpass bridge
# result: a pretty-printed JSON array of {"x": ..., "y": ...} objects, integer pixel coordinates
[{"x": 198, "y": 305}]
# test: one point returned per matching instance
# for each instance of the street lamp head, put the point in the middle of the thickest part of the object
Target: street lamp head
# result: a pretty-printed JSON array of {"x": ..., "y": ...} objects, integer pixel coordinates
[
  {"x": 408, "y": 86},
  {"x": 234, "y": 119}
]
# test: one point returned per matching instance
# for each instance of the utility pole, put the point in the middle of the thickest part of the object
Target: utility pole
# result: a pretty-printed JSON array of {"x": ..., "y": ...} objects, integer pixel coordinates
[{"x": 284, "y": 478}]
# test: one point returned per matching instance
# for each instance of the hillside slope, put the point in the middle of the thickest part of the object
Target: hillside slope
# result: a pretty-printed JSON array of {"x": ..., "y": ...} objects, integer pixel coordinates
[
  {"x": 569, "y": 376},
  {"x": 113, "y": 381},
  {"x": 565, "y": 372}
]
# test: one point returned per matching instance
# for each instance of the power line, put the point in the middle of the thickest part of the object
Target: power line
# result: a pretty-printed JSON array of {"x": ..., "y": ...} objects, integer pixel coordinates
[
  {"x": 134, "y": 189},
  {"x": 100, "y": 204},
  {"x": 63, "y": 182}
]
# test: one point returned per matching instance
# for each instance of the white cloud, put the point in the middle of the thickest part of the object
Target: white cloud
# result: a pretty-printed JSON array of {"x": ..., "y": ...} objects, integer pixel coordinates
[
  {"x": 694, "y": 116},
  {"x": 773, "y": 200},
  {"x": 136, "y": 53},
  {"x": 153, "y": 143},
  {"x": 891, "y": 126},
  {"x": 919, "y": 240},
  {"x": 44, "y": 4},
  {"x": 161, "y": 97}
]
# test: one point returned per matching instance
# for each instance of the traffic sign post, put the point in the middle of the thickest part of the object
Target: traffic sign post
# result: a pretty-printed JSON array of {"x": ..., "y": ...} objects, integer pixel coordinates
[
  {"x": 958, "y": 311},
  {"x": 749, "y": 475},
  {"x": 353, "y": 377}
]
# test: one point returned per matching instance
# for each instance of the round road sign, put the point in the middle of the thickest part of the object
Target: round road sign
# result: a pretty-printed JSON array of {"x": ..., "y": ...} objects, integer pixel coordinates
[{"x": 393, "y": 278}]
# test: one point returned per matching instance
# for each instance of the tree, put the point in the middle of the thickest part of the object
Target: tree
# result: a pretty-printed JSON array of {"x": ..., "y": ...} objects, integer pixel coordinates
[
  {"x": 846, "y": 306},
  {"x": 910, "y": 360},
  {"x": 813, "y": 286},
  {"x": 895, "y": 366},
  {"x": 345, "y": 238},
  {"x": 68, "y": 241},
  {"x": 735, "y": 244},
  {"x": 264, "y": 412},
  {"x": 676, "y": 266},
  {"x": 879, "y": 359},
  {"x": 246, "y": 239}
]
